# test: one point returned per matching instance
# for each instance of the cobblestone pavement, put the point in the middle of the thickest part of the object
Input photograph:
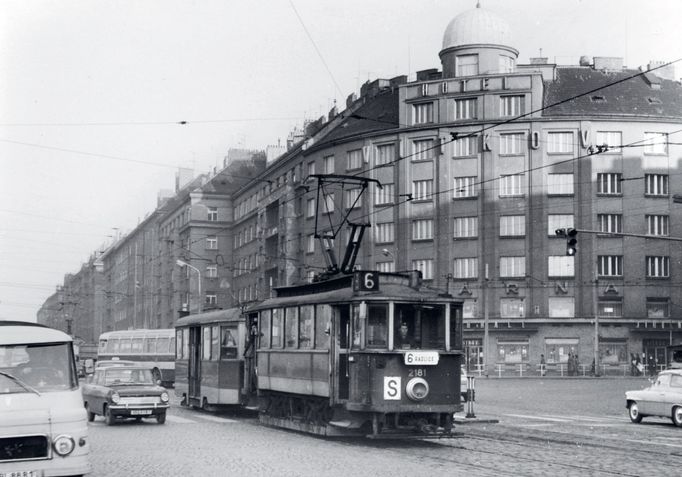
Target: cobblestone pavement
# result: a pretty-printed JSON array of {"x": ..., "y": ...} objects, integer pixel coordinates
[{"x": 546, "y": 435}]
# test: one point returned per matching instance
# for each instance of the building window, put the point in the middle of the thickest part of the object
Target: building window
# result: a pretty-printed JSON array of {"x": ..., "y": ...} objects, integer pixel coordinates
[
  {"x": 658, "y": 308},
  {"x": 470, "y": 308},
  {"x": 353, "y": 198},
  {"x": 512, "y": 226},
  {"x": 466, "y": 146},
  {"x": 657, "y": 225},
  {"x": 466, "y": 227},
  {"x": 384, "y": 233},
  {"x": 386, "y": 267},
  {"x": 466, "y": 108},
  {"x": 559, "y": 184},
  {"x": 559, "y": 142},
  {"x": 328, "y": 163},
  {"x": 385, "y": 154},
  {"x": 310, "y": 208},
  {"x": 655, "y": 143},
  {"x": 611, "y": 139},
  {"x": 425, "y": 266},
  {"x": 465, "y": 267},
  {"x": 511, "y": 105},
  {"x": 213, "y": 214},
  {"x": 422, "y": 113},
  {"x": 656, "y": 184},
  {"x": 512, "y": 267},
  {"x": 422, "y": 190},
  {"x": 385, "y": 195},
  {"x": 609, "y": 183},
  {"x": 560, "y": 266},
  {"x": 211, "y": 298},
  {"x": 328, "y": 203},
  {"x": 557, "y": 350},
  {"x": 511, "y": 143},
  {"x": 610, "y": 308},
  {"x": 610, "y": 265},
  {"x": 558, "y": 221},
  {"x": 354, "y": 159},
  {"x": 422, "y": 150},
  {"x": 466, "y": 65},
  {"x": 561, "y": 307},
  {"x": 658, "y": 267},
  {"x": 310, "y": 243},
  {"x": 422, "y": 229},
  {"x": 212, "y": 242},
  {"x": 311, "y": 168},
  {"x": 512, "y": 308},
  {"x": 211, "y": 271},
  {"x": 511, "y": 185},
  {"x": 507, "y": 64},
  {"x": 464, "y": 187},
  {"x": 610, "y": 223}
]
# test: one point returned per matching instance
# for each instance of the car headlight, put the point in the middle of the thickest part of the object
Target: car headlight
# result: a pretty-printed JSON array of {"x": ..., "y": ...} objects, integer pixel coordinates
[
  {"x": 115, "y": 398},
  {"x": 63, "y": 445},
  {"x": 164, "y": 397}
]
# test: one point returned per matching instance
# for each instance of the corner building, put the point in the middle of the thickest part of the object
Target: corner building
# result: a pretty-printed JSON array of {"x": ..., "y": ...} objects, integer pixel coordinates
[{"x": 480, "y": 162}]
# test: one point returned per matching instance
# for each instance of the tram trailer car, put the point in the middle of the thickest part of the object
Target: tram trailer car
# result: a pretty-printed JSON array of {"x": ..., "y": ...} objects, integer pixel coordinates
[{"x": 332, "y": 358}]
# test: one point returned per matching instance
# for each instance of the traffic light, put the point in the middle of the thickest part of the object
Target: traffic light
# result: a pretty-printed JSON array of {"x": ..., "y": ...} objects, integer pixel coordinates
[{"x": 571, "y": 242}]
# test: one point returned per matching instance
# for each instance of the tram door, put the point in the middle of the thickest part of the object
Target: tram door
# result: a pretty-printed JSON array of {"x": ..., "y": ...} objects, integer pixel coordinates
[
  {"x": 342, "y": 346},
  {"x": 194, "y": 378}
]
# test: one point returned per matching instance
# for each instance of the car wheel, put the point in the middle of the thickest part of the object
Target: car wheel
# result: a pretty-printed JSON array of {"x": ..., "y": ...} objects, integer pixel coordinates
[
  {"x": 161, "y": 418},
  {"x": 677, "y": 416},
  {"x": 109, "y": 418},
  {"x": 633, "y": 411},
  {"x": 91, "y": 415}
]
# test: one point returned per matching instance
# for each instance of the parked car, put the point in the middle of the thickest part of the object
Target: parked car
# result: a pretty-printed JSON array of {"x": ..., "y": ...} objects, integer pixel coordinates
[
  {"x": 119, "y": 392},
  {"x": 663, "y": 398}
]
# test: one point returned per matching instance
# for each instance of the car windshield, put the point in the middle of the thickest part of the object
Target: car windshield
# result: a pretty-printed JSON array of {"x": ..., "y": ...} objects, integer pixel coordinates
[
  {"x": 40, "y": 367},
  {"x": 122, "y": 376}
]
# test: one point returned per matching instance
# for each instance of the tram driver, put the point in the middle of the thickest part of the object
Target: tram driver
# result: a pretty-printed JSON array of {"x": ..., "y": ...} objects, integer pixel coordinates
[{"x": 404, "y": 340}]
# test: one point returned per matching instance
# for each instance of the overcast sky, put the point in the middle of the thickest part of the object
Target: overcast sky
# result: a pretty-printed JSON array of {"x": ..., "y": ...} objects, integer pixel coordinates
[{"x": 92, "y": 91}]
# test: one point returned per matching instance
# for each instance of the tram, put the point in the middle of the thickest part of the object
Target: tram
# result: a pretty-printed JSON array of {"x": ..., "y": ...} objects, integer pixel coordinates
[{"x": 354, "y": 352}]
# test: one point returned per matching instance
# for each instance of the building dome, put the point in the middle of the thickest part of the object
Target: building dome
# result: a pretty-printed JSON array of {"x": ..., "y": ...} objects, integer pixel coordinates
[{"x": 475, "y": 27}]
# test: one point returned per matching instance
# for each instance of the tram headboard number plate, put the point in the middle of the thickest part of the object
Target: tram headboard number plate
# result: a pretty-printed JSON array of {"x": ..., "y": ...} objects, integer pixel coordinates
[
  {"x": 366, "y": 281},
  {"x": 421, "y": 358},
  {"x": 392, "y": 387}
]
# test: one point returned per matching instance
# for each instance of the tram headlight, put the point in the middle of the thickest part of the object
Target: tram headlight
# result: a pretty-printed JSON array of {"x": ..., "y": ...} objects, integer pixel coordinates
[
  {"x": 63, "y": 445},
  {"x": 164, "y": 397},
  {"x": 115, "y": 398},
  {"x": 417, "y": 389}
]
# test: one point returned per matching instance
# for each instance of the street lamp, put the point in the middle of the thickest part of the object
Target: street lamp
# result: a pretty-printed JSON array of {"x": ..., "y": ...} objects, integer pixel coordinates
[{"x": 182, "y": 263}]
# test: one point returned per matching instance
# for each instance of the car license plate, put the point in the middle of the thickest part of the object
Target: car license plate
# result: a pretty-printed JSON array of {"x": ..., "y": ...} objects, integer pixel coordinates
[
  {"x": 140, "y": 412},
  {"x": 20, "y": 473}
]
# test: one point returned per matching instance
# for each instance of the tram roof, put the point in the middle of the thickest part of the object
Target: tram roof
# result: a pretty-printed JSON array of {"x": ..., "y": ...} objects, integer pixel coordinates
[{"x": 231, "y": 314}]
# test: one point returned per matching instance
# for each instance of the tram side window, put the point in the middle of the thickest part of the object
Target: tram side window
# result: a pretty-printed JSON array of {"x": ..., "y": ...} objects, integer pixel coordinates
[
  {"x": 228, "y": 342},
  {"x": 264, "y": 341},
  {"x": 150, "y": 344},
  {"x": 291, "y": 327},
  {"x": 215, "y": 343},
  {"x": 357, "y": 327},
  {"x": 377, "y": 326},
  {"x": 125, "y": 345},
  {"x": 136, "y": 347},
  {"x": 455, "y": 327},
  {"x": 206, "y": 343},
  {"x": 277, "y": 328},
  {"x": 178, "y": 340},
  {"x": 185, "y": 343},
  {"x": 432, "y": 326},
  {"x": 323, "y": 326},
  {"x": 305, "y": 326},
  {"x": 407, "y": 327}
]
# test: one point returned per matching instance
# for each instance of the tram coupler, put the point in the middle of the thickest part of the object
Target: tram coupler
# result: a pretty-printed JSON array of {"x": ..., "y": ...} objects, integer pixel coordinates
[{"x": 471, "y": 394}]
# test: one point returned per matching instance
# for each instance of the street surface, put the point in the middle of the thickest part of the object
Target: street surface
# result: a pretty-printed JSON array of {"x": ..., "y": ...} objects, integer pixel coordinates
[{"x": 546, "y": 426}]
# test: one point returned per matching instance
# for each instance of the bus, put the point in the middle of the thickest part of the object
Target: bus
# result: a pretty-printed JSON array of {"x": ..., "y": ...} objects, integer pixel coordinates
[
  {"x": 152, "y": 348},
  {"x": 43, "y": 422}
]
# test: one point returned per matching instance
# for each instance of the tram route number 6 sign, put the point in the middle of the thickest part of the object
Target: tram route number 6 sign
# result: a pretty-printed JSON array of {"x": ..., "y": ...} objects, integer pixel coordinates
[
  {"x": 392, "y": 387},
  {"x": 366, "y": 281}
]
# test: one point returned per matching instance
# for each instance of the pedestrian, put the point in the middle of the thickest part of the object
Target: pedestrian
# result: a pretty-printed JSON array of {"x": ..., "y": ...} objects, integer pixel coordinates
[
  {"x": 633, "y": 365},
  {"x": 638, "y": 364},
  {"x": 651, "y": 365},
  {"x": 570, "y": 363},
  {"x": 543, "y": 371},
  {"x": 576, "y": 364},
  {"x": 593, "y": 368}
]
